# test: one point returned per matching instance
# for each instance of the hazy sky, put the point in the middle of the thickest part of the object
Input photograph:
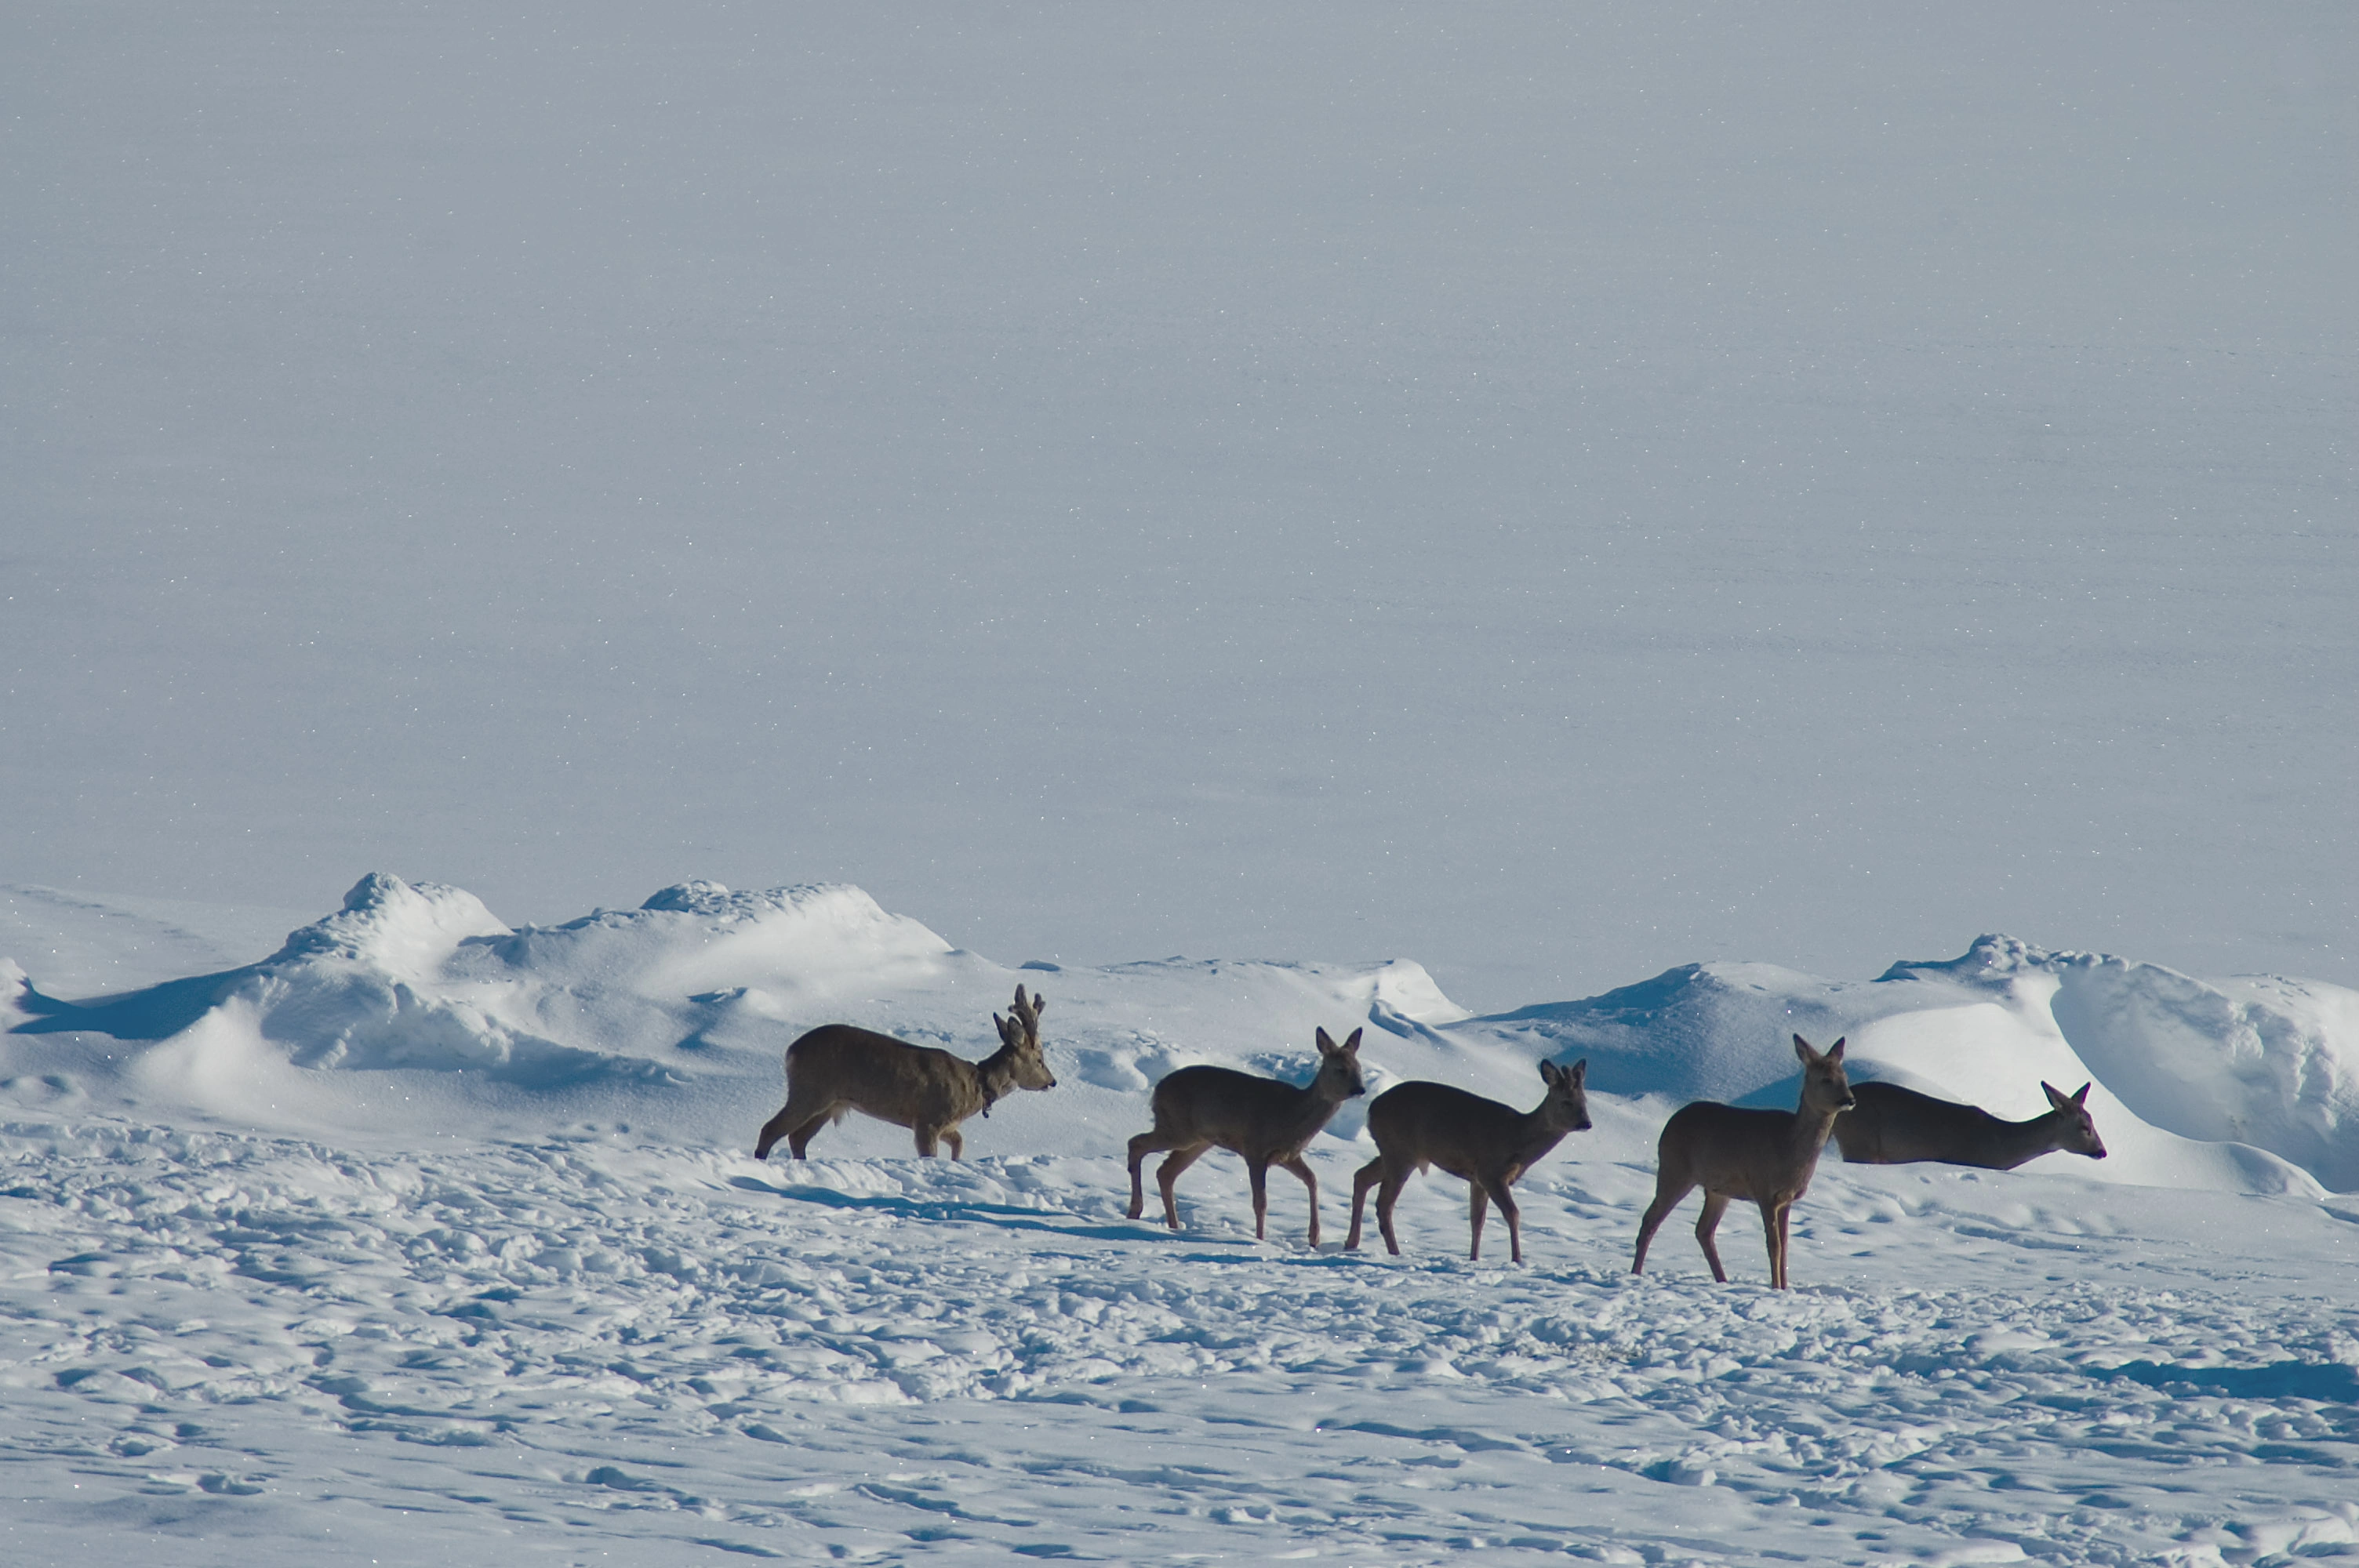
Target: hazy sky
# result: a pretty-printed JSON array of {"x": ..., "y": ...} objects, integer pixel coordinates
[{"x": 1550, "y": 491}]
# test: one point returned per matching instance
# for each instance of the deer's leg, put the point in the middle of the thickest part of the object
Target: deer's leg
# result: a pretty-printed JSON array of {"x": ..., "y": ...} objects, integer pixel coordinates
[
  {"x": 1777, "y": 1229},
  {"x": 927, "y": 1132},
  {"x": 1143, "y": 1145},
  {"x": 1669, "y": 1191},
  {"x": 1513, "y": 1216},
  {"x": 1257, "y": 1178},
  {"x": 1312, "y": 1182},
  {"x": 1368, "y": 1176},
  {"x": 1714, "y": 1205},
  {"x": 799, "y": 1138},
  {"x": 790, "y": 1119},
  {"x": 798, "y": 1122},
  {"x": 1478, "y": 1205},
  {"x": 1166, "y": 1176},
  {"x": 958, "y": 1145},
  {"x": 1395, "y": 1178}
]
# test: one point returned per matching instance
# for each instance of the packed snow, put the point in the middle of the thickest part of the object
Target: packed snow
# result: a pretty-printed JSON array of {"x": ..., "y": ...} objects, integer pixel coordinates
[{"x": 425, "y": 1233}]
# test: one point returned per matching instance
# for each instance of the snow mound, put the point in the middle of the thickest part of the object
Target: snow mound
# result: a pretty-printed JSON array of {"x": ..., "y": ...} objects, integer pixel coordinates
[
  {"x": 2242, "y": 1089},
  {"x": 697, "y": 936},
  {"x": 403, "y": 929},
  {"x": 414, "y": 1007},
  {"x": 368, "y": 988},
  {"x": 424, "y": 976},
  {"x": 2263, "y": 1060},
  {"x": 1696, "y": 1031}
]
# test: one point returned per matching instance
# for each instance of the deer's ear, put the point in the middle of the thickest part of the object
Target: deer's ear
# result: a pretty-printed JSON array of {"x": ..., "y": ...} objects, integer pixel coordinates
[
  {"x": 1551, "y": 1073},
  {"x": 1802, "y": 1049},
  {"x": 2083, "y": 1097},
  {"x": 1578, "y": 1072},
  {"x": 1326, "y": 1043},
  {"x": 1352, "y": 1046},
  {"x": 2055, "y": 1096},
  {"x": 1834, "y": 1052}
]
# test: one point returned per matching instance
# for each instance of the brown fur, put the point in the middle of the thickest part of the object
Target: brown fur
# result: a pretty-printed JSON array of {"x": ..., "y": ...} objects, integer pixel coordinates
[
  {"x": 1486, "y": 1144},
  {"x": 1894, "y": 1126},
  {"x": 1765, "y": 1156},
  {"x": 1270, "y": 1123},
  {"x": 836, "y": 1069}
]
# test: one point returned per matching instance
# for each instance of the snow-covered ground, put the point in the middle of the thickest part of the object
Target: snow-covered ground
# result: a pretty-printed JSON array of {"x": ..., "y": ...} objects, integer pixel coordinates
[{"x": 425, "y": 1238}]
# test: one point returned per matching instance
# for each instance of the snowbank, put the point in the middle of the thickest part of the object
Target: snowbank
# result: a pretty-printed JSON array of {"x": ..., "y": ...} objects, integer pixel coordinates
[
  {"x": 2167, "y": 1055},
  {"x": 414, "y": 1008}
]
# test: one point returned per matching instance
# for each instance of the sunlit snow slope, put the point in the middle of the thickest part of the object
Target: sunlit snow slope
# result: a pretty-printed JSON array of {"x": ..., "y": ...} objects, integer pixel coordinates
[{"x": 414, "y": 1008}]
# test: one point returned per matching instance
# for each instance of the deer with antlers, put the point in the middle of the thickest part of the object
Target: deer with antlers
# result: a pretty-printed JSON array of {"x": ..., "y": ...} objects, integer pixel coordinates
[{"x": 837, "y": 1069}]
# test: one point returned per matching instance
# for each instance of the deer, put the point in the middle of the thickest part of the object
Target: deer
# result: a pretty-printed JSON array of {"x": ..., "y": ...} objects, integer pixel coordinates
[
  {"x": 1266, "y": 1120},
  {"x": 1893, "y": 1125},
  {"x": 1764, "y": 1155},
  {"x": 1483, "y": 1142},
  {"x": 836, "y": 1069}
]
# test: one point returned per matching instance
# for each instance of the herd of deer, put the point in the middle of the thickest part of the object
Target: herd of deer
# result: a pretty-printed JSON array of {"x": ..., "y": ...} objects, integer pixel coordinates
[{"x": 1765, "y": 1157}]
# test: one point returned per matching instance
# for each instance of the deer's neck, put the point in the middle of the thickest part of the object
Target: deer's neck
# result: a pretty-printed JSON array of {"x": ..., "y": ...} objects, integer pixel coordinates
[
  {"x": 2013, "y": 1142},
  {"x": 1317, "y": 1102},
  {"x": 1812, "y": 1128},
  {"x": 1533, "y": 1137},
  {"x": 996, "y": 1077}
]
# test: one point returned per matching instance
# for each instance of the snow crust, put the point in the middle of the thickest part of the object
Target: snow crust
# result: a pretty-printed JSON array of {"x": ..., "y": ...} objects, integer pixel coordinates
[{"x": 437, "y": 1232}]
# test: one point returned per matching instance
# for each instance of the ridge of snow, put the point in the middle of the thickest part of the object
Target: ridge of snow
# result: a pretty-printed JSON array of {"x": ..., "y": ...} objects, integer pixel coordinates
[
  {"x": 2196, "y": 1087},
  {"x": 2261, "y": 1060},
  {"x": 409, "y": 928},
  {"x": 414, "y": 1003}
]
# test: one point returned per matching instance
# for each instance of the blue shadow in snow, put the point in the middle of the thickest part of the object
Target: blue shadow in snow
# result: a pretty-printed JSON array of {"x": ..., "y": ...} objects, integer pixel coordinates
[
  {"x": 2329, "y": 1382},
  {"x": 157, "y": 1012},
  {"x": 1635, "y": 1004},
  {"x": 1006, "y": 1215}
]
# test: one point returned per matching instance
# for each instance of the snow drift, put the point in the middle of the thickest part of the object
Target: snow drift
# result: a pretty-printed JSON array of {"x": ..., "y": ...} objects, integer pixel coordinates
[
  {"x": 415, "y": 1009},
  {"x": 458, "y": 1220}
]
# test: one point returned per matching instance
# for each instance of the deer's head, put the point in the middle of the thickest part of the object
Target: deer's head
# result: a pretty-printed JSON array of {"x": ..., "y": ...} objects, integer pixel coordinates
[
  {"x": 1825, "y": 1086},
  {"x": 1019, "y": 1038},
  {"x": 1566, "y": 1109},
  {"x": 1339, "y": 1068},
  {"x": 2080, "y": 1132}
]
